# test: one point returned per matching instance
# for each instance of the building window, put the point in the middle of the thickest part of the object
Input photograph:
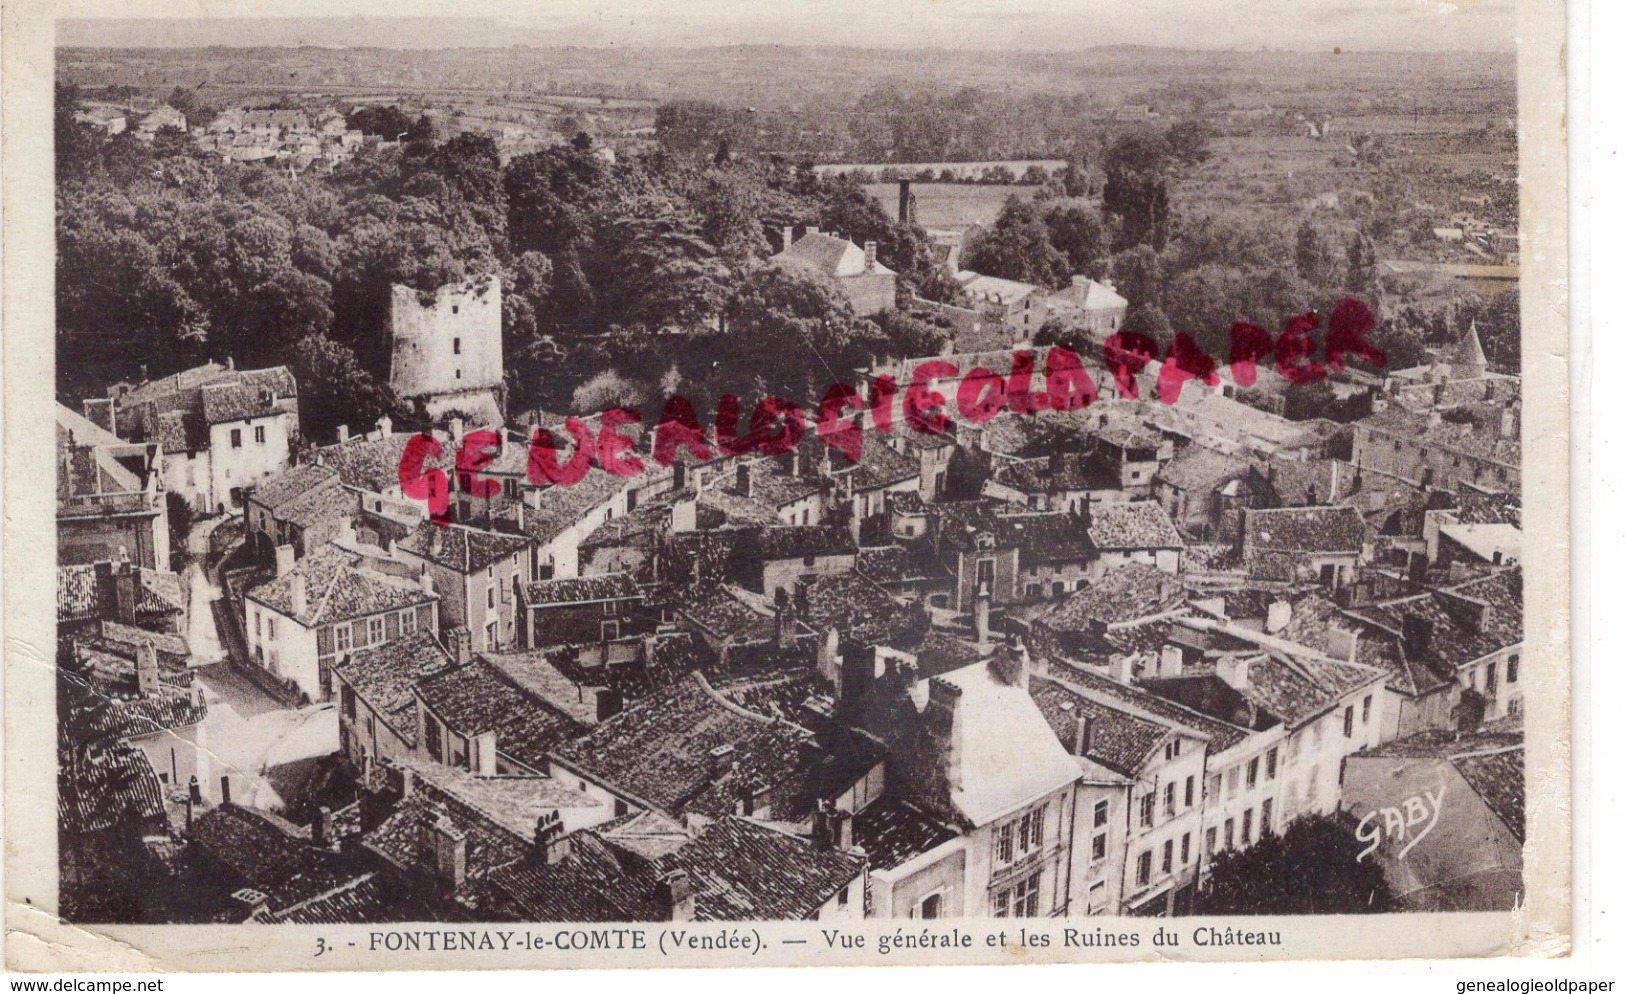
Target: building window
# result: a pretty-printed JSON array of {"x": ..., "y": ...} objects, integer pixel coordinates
[
  {"x": 347, "y": 701},
  {"x": 490, "y": 597},
  {"x": 375, "y": 631},
  {"x": 341, "y": 638},
  {"x": 1185, "y": 850},
  {"x": 1212, "y": 839},
  {"x": 456, "y": 346},
  {"x": 1020, "y": 900},
  {"x": 1270, "y": 760},
  {"x": 1148, "y": 810},
  {"x": 1266, "y": 821},
  {"x": 409, "y": 622},
  {"x": 1365, "y": 710},
  {"x": 1512, "y": 669},
  {"x": 1168, "y": 857},
  {"x": 1097, "y": 897},
  {"x": 1190, "y": 791},
  {"x": 1252, "y": 773},
  {"x": 1229, "y": 833},
  {"x": 1215, "y": 784},
  {"x": 1102, "y": 813},
  {"x": 1348, "y": 722},
  {"x": 1232, "y": 781},
  {"x": 930, "y": 906},
  {"x": 1247, "y": 826},
  {"x": 431, "y": 737},
  {"x": 270, "y": 629},
  {"x": 236, "y": 438},
  {"x": 256, "y": 624},
  {"x": 1168, "y": 800},
  {"x": 259, "y": 434},
  {"x": 1142, "y": 872},
  {"x": 457, "y": 374},
  {"x": 1097, "y": 847}
]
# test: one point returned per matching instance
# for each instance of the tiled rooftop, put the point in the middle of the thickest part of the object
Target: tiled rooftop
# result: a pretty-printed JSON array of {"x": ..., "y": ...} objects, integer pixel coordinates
[{"x": 1139, "y": 524}]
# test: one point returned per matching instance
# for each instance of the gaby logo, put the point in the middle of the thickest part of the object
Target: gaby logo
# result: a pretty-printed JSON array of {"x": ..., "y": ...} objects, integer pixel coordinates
[{"x": 1409, "y": 822}]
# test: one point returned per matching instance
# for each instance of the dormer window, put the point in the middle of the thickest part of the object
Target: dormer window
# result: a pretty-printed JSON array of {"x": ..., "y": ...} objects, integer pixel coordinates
[{"x": 456, "y": 346}]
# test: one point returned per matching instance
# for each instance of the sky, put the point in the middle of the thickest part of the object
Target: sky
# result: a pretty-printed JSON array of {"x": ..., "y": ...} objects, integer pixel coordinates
[{"x": 1002, "y": 25}]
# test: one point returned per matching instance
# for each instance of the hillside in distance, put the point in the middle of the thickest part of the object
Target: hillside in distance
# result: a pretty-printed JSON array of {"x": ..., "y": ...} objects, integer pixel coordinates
[{"x": 773, "y": 77}]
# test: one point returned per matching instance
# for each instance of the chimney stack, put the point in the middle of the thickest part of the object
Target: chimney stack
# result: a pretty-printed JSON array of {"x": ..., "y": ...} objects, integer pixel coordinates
[
  {"x": 551, "y": 839},
  {"x": 1278, "y": 617},
  {"x": 461, "y": 645},
  {"x": 300, "y": 602},
  {"x": 344, "y": 433},
  {"x": 721, "y": 760},
  {"x": 143, "y": 372},
  {"x": 982, "y": 610},
  {"x": 225, "y": 791},
  {"x": 1509, "y": 423},
  {"x": 124, "y": 595},
  {"x": 448, "y": 847},
  {"x": 1084, "y": 736},
  {"x": 784, "y": 619},
  {"x": 284, "y": 559},
  {"x": 146, "y": 668},
  {"x": 1234, "y": 670},
  {"x": 456, "y": 431},
  {"x": 675, "y": 892},
  {"x": 386, "y": 426},
  {"x": 789, "y": 237}
]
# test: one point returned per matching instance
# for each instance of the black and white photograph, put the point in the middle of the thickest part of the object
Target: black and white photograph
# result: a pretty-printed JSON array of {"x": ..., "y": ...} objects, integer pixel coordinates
[{"x": 810, "y": 464}]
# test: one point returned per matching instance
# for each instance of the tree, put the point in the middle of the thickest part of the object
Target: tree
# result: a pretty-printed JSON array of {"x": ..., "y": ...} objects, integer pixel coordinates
[
  {"x": 1076, "y": 232},
  {"x": 1311, "y": 868},
  {"x": 1136, "y": 191},
  {"x": 1017, "y": 247},
  {"x": 334, "y": 389},
  {"x": 1139, "y": 279}
]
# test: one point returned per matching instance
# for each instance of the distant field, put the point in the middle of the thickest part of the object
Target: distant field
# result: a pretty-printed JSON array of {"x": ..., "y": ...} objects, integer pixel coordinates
[
  {"x": 1017, "y": 166},
  {"x": 950, "y": 206}
]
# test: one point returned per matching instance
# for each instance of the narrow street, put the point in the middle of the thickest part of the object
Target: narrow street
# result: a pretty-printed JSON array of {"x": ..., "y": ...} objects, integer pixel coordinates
[{"x": 247, "y": 730}]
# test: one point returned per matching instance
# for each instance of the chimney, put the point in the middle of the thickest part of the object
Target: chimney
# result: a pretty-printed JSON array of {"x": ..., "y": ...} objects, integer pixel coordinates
[
  {"x": 784, "y": 619},
  {"x": 143, "y": 372},
  {"x": 674, "y": 892},
  {"x": 551, "y": 839},
  {"x": 124, "y": 597},
  {"x": 721, "y": 760},
  {"x": 448, "y": 847},
  {"x": 300, "y": 603},
  {"x": 344, "y": 433},
  {"x": 789, "y": 237},
  {"x": 831, "y": 827},
  {"x": 869, "y": 256},
  {"x": 231, "y": 362},
  {"x": 609, "y": 702},
  {"x": 685, "y": 514},
  {"x": 425, "y": 581},
  {"x": 742, "y": 479},
  {"x": 904, "y": 203},
  {"x": 146, "y": 668},
  {"x": 945, "y": 730},
  {"x": 461, "y": 645},
  {"x": 1509, "y": 423},
  {"x": 284, "y": 559},
  {"x": 1084, "y": 735},
  {"x": 1171, "y": 663},
  {"x": 1120, "y": 669},
  {"x": 1234, "y": 670},
  {"x": 485, "y": 754},
  {"x": 225, "y": 791},
  {"x": 983, "y": 607},
  {"x": 1009, "y": 664},
  {"x": 456, "y": 431},
  {"x": 194, "y": 790},
  {"x": 386, "y": 426},
  {"x": 1342, "y": 644},
  {"x": 1278, "y": 616},
  {"x": 321, "y": 829}
]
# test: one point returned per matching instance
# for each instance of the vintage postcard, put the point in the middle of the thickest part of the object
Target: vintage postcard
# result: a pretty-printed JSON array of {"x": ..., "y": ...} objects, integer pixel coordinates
[{"x": 807, "y": 483}]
